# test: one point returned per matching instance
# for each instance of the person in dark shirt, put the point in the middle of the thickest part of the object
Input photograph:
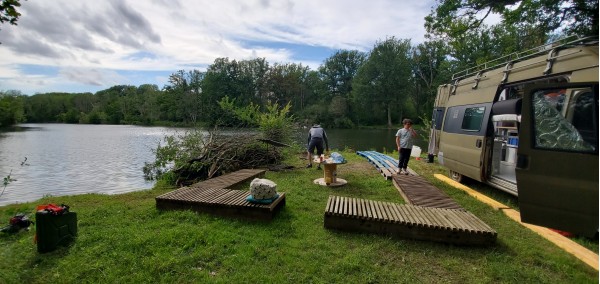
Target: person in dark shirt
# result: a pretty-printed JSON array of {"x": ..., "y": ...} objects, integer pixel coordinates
[{"x": 316, "y": 137}]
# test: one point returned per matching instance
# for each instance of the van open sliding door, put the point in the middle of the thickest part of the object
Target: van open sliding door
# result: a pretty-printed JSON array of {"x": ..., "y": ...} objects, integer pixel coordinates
[
  {"x": 463, "y": 142},
  {"x": 557, "y": 158}
]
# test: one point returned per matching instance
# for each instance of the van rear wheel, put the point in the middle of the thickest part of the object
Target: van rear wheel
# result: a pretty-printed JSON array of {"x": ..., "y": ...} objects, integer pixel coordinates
[{"x": 456, "y": 176}]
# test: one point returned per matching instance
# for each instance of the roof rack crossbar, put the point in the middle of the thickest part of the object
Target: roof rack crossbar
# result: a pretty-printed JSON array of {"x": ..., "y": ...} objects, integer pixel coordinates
[{"x": 523, "y": 55}]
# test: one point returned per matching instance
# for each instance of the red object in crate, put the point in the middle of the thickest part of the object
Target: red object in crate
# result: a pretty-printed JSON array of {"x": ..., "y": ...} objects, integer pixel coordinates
[{"x": 53, "y": 208}]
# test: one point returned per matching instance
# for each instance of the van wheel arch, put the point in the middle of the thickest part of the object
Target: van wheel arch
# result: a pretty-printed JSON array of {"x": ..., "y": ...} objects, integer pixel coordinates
[{"x": 455, "y": 176}]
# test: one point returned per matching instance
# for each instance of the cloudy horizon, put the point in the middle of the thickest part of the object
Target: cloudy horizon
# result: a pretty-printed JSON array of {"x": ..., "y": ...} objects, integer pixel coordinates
[{"x": 87, "y": 46}]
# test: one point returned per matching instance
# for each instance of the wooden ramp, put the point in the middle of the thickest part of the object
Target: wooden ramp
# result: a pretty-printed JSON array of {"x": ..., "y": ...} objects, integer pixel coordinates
[
  {"x": 407, "y": 221},
  {"x": 384, "y": 164},
  {"x": 418, "y": 191},
  {"x": 231, "y": 179},
  {"x": 220, "y": 201}
]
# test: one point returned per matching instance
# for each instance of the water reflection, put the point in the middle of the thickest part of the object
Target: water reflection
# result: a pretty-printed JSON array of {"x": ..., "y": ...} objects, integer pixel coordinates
[{"x": 70, "y": 159}]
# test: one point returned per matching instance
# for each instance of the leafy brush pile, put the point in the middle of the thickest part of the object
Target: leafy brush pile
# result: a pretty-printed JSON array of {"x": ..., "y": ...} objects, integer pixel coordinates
[{"x": 199, "y": 154}]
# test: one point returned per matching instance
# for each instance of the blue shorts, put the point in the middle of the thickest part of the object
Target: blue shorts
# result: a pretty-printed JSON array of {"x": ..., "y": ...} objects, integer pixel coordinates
[{"x": 315, "y": 143}]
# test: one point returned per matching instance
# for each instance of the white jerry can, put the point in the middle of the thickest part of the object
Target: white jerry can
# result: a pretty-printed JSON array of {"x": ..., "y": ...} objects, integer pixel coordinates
[{"x": 416, "y": 151}]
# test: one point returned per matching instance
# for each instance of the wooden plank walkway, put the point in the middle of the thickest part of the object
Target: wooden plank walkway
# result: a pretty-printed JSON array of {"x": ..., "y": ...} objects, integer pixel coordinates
[
  {"x": 407, "y": 221},
  {"x": 222, "y": 202},
  {"x": 418, "y": 191},
  {"x": 230, "y": 180},
  {"x": 384, "y": 164}
]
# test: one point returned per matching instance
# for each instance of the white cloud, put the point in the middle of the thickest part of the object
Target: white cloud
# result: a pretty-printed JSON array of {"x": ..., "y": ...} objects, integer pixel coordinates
[{"x": 97, "y": 38}]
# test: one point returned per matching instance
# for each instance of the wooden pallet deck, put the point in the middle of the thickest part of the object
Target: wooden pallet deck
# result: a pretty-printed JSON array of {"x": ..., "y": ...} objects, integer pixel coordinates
[
  {"x": 222, "y": 202},
  {"x": 215, "y": 196},
  {"x": 230, "y": 180},
  {"x": 407, "y": 221},
  {"x": 417, "y": 191},
  {"x": 384, "y": 164}
]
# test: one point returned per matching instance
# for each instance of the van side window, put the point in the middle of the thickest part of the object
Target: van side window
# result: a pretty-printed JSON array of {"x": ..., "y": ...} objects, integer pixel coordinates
[
  {"x": 584, "y": 110},
  {"x": 562, "y": 120},
  {"x": 473, "y": 118}
]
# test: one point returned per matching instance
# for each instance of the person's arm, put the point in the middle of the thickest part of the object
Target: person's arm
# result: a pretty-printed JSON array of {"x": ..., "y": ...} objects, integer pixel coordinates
[
  {"x": 398, "y": 142},
  {"x": 308, "y": 141},
  {"x": 413, "y": 132}
]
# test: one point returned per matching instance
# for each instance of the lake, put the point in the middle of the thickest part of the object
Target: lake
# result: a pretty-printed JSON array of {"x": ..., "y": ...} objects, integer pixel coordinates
[{"x": 65, "y": 159}]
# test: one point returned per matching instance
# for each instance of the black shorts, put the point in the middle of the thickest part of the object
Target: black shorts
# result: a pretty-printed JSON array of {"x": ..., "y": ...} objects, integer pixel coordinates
[{"x": 315, "y": 143}]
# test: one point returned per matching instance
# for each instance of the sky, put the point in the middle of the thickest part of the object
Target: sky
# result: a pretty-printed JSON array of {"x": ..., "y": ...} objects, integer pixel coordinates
[{"x": 89, "y": 45}]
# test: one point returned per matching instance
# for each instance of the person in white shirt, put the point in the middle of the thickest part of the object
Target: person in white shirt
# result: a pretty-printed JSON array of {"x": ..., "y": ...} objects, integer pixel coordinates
[{"x": 404, "y": 142}]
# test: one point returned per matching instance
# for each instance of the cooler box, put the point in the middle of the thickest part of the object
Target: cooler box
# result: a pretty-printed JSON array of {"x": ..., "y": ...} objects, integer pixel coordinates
[{"x": 54, "y": 230}]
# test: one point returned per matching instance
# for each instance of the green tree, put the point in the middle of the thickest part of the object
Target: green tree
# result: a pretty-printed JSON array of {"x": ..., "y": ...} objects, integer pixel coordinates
[
  {"x": 8, "y": 11},
  {"x": 431, "y": 68},
  {"x": 382, "y": 82},
  {"x": 285, "y": 84},
  {"x": 185, "y": 89},
  {"x": 147, "y": 103},
  {"x": 11, "y": 108},
  {"x": 339, "y": 70},
  {"x": 539, "y": 17}
]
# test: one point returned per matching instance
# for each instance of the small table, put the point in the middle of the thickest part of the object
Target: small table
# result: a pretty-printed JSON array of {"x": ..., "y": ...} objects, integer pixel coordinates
[{"x": 329, "y": 174}]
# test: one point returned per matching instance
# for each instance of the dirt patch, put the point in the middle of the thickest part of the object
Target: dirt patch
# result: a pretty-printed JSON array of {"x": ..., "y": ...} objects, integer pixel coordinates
[{"x": 358, "y": 166}]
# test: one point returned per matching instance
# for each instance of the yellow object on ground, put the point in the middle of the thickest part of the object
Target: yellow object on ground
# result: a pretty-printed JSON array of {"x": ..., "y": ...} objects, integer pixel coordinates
[{"x": 583, "y": 254}]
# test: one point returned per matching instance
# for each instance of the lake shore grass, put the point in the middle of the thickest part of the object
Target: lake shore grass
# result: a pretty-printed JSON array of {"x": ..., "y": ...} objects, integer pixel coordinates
[{"x": 125, "y": 239}]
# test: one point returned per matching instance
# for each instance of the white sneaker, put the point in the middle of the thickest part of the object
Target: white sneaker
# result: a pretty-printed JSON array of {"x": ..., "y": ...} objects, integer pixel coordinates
[
  {"x": 401, "y": 171},
  {"x": 405, "y": 171}
]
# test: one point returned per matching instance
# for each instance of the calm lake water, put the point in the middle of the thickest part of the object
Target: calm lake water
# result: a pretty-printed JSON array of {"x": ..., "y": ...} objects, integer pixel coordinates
[{"x": 65, "y": 159}]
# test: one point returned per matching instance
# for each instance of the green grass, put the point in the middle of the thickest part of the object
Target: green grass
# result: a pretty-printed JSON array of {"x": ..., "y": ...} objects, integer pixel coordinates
[{"x": 124, "y": 239}]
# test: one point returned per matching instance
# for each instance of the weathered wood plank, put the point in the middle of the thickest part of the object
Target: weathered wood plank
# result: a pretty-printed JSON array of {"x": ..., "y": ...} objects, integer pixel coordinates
[
  {"x": 221, "y": 201},
  {"x": 415, "y": 190},
  {"x": 423, "y": 223}
]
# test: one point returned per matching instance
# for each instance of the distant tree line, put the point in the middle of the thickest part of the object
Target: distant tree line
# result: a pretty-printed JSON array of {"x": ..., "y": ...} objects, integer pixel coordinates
[{"x": 395, "y": 79}]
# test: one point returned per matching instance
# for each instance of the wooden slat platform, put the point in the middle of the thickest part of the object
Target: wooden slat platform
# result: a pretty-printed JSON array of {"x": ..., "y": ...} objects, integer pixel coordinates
[
  {"x": 230, "y": 180},
  {"x": 407, "y": 221},
  {"x": 417, "y": 191},
  {"x": 220, "y": 201}
]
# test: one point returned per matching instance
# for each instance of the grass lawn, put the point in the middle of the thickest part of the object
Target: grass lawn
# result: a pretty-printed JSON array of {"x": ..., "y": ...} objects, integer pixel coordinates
[{"x": 124, "y": 239}]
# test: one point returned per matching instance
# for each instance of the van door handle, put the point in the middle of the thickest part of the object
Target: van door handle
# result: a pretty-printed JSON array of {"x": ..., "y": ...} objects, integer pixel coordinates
[{"x": 478, "y": 143}]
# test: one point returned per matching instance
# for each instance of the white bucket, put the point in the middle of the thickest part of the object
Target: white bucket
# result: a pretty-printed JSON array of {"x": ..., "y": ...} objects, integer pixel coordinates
[{"x": 416, "y": 151}]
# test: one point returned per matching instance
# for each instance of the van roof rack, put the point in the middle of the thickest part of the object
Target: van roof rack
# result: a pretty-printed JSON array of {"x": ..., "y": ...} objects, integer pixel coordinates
[{"x": 561, "y": 43}]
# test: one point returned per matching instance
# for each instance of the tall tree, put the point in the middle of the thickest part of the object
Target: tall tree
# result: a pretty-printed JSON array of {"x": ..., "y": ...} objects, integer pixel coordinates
[
  {"x": 285, "y": 83},
  {"x": 431, "y": 68},
  {"x": 382, "y": 81},
  {"x": 339, "y": 70},
  {"x": 11, "y": 108},
  {"x": 453, "y": 17}
]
